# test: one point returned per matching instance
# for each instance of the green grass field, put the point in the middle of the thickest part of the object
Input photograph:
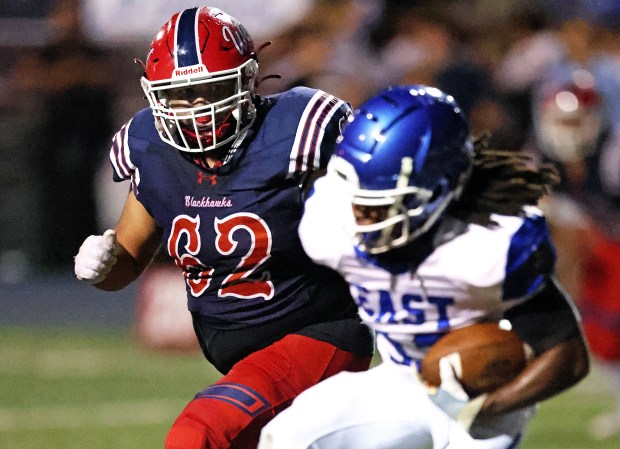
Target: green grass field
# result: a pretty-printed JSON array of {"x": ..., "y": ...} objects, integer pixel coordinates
[{"x": 71, "y": 389}]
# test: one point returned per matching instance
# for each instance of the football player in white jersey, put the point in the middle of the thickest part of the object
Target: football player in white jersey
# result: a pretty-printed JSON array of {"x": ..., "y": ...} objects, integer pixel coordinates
[{"x": 433, "y": 232}]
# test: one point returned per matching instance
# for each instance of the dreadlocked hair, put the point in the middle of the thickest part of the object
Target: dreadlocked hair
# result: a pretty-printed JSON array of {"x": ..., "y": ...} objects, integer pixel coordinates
[{"x": 501, "y": 182}]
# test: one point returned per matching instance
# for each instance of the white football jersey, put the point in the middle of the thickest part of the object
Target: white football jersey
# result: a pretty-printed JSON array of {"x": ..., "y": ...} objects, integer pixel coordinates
[{"x": 474, "y": 277}]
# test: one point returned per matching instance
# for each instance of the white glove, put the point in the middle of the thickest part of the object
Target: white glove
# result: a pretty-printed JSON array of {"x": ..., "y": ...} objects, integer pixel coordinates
[
  {"x": 96, "y": 257},
  {"x": 450, "y": 395}
]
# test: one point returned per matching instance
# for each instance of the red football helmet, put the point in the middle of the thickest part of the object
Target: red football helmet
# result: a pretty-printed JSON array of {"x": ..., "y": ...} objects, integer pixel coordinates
[
  {"x": 200, "y": 77},
  {"x": 569, "y": 121}
]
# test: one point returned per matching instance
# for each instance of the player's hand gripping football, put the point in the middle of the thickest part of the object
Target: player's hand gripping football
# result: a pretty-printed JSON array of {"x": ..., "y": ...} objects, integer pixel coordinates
[
  {"x": 96, "y": 257},
  {"x": 450, "y": 395}
]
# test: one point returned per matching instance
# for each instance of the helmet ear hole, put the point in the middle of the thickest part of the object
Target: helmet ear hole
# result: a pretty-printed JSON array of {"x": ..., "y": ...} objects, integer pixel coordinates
[{"x": 437, "y": 193}]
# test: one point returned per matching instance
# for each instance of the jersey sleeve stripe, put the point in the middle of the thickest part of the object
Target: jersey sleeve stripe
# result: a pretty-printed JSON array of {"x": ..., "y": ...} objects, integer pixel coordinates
[
  {"x": 301, "y": 130},
  {"x": 314, "y": 133},
  {"x": 306, "y": 146},
  {"x": 120, "y": 154},
  {"x": 314, "y": 146}
]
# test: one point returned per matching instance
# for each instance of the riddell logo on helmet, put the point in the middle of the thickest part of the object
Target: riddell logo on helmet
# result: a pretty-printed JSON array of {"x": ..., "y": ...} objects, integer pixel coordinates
[{"x": 191, "y": 70}]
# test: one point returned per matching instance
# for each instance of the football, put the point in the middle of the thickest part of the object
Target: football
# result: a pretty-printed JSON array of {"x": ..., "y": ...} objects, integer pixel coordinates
[{"x": 489, "y": 357}]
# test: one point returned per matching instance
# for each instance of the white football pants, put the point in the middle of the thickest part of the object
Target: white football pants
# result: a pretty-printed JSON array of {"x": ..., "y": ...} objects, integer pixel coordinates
[{"x": 383, "y": 408}]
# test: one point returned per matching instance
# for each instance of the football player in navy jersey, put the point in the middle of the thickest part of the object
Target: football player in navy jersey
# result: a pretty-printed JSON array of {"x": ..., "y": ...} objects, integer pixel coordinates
[
  {"x": 582, "y": 141},
  {"x": 217, "y": 178},
  {"x": 433, "y": 231}
]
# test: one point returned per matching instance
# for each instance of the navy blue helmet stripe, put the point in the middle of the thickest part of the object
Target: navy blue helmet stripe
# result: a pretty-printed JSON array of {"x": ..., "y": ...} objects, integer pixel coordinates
[
  {"x": 238, "y": 395},
  {"x": 187, "y": 51}
]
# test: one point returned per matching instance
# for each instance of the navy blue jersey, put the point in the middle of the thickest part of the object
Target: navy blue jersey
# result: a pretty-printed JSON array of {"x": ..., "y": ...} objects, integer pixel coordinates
[
  {"x": 591, "y": 193},
  {"x": 233, "y": 229}
]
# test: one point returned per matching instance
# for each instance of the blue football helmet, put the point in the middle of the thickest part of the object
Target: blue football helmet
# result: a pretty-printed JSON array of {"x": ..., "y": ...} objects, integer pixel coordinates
[{"x": 406, "y": 151}]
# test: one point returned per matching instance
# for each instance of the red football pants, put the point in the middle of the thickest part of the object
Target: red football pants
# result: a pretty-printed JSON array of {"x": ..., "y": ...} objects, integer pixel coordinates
[{"x": 232, "y": 412}]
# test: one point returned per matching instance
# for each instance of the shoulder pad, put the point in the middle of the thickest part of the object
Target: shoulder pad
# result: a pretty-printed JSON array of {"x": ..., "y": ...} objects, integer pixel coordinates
[{"x": 530, "y": 259}]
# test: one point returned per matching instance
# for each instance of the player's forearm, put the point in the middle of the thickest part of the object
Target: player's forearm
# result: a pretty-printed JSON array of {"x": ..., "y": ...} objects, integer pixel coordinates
[
  {"x": 545, "y": 376},
  {"x": 123, "y": 272}
]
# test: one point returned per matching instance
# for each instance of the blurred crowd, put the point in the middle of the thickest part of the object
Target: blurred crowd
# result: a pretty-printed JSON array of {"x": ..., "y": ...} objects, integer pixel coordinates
[{"x": 536, "y": 75}]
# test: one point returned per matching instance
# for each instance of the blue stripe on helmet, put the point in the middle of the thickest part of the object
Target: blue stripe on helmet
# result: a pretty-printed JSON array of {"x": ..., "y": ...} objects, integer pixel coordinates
[{"x": 187, "y": 51}]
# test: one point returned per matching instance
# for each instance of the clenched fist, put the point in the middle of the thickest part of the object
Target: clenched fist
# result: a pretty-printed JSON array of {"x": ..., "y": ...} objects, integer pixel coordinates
[{"x": 96, "y": 257}]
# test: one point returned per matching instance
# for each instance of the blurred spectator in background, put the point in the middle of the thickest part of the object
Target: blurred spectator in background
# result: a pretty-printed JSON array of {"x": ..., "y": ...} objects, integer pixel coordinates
[
  {"x": 574, "y": 130},
  {"x": 72, "y": 86},
  {"x": 534, "y": 46},
  {"x": 440, "y": 44},
  {"x": 329, "y": 48}
]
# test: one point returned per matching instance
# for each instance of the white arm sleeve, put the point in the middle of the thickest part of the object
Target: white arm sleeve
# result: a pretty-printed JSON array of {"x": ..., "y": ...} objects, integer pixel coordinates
[{"x": 326, "y": 228}]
